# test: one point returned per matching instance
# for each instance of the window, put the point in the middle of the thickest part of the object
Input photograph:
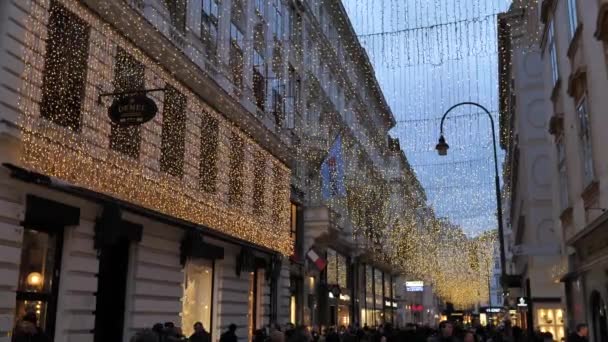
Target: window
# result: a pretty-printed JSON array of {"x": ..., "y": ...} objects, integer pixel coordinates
[
  {"x": 293, "y": 97},
  {"x": 177, "y": 14},
  {"x": 198, "y": 295},
  {"x": 235, "y": 189},
  {"x": 259, "y": 175},
  {"x": 342, "y": 266},
  {"x": 585, "y": 140},
  {"x": 38, "y": 277},
  {"x": 209, "y": 27},
  {"x": 332, "y": 267},
  {"x": 259, "y": 68},
  {"x": 65, "y": 68},
  {"x": 236, "y": 57},
  {"x": 277, "y": 20},
  {"x": 378, "y": 289},
  {"x": 128, "y": 76},
  {"x": 259, "y": 7},
  {"x": 277, "y": 103},
  {"x": 572, "y": 17},
  {"x": 563, "y": 173},
  {"x": 553, "y": 53},
  {"x": 208, "y": 150},
  {"x": 173, "y": 133}
]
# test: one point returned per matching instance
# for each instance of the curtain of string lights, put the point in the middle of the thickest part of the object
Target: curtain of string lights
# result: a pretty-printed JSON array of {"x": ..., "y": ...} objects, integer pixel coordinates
[{"x": 429, "y": 55}]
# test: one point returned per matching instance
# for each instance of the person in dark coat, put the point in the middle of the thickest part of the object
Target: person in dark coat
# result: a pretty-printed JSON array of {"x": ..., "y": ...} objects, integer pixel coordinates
[
  {"x": 230, "y": 334},
  {"x": 581, "y": 334},
  {"x": 200, "y": 334}
]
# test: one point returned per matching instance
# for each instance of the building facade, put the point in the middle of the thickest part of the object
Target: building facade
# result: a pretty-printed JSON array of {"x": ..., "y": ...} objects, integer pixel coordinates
[
  {"x": 573, "y": 60},
  {"x": 207, "y": 210},
  {"x": 575, "y": 35},
  {"x": 534, "y": 241}
]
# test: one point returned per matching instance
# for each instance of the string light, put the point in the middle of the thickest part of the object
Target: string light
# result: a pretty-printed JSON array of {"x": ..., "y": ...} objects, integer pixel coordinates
[{"x": 221, "y": 187}]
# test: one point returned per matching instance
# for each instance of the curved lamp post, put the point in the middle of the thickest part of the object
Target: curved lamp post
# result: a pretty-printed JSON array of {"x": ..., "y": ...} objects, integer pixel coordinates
[{"x": 442, "y": 148}]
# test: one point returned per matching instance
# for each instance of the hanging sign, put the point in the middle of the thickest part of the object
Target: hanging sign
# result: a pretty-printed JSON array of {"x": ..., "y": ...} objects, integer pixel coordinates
[
  {"x": 132, "y": 110},
  {"x": 522, "y": 302}
]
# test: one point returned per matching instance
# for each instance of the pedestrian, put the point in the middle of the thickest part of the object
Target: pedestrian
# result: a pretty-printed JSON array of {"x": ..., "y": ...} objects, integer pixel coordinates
[
  {"x": 332, "y": 335},
  {"x": 200, "y": 334},
  {"x": 145, "y": 335},
  {"x": 446, "y": 333},
  {"x": 276, "y": 335},
  {"x": 27, "y": 330},
  {"x": 581, "y": 334},
  {"x": 230, "y": 334},
  {"x": 470, "y": 336}
]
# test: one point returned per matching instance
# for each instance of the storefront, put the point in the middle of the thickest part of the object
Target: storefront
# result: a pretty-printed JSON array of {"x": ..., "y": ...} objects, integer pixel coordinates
[
  {"x": 338, "y": 279},
  {"x": 588, "y": 278},
  {"x": 380, "y": 305}
]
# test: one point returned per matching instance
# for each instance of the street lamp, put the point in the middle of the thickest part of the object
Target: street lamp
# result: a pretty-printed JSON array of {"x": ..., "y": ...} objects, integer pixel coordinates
[{"x": 442, "y": 148}]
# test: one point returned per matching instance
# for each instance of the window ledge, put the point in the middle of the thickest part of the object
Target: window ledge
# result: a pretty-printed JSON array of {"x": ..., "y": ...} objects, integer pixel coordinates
[
  {"x": 566, "y": 216},
  {"x": 575, "y": 42},
  {"x": 576, "y": 82},
  {"x": 555, "y": 91},
  {"x": 556, "y": 124},
  {"x": 601, "y": 31},
  {"x": 590, "y": 194}
]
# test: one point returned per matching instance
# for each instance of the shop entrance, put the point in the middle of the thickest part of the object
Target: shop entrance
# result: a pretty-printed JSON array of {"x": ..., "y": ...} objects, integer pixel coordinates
[
  {"x": 111, "y": 291},
  {"x": 598, "y": 312}
]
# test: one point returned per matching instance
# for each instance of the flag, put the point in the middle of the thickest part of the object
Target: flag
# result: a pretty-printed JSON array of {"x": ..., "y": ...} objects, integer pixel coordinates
[
  {"x": 316, "y": 259},
  {"x": 332, "y": 172}
]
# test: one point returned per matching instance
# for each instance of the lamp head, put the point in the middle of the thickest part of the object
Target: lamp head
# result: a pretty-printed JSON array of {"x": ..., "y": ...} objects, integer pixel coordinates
[{"x": 442, "y": 147}]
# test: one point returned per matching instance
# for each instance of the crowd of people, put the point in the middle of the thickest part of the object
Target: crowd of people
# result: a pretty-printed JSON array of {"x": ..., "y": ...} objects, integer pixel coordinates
[
  {"x": 28, "y": 330},
  {"x": 446, "y": 332}
]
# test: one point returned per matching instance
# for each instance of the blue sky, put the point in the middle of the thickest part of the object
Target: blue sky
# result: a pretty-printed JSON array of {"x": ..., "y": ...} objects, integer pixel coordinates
[{"x": 429, "y": 55}]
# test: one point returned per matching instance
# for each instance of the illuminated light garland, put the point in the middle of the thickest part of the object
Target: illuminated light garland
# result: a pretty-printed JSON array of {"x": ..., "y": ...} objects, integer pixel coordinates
[
  {"x": 374, "y": 216},
  {"x": 82, "y": 157}
]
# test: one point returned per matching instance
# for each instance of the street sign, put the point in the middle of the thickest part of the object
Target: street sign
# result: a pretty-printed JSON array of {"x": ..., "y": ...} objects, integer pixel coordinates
[
  {"x": 414, "y": 286},
  {"x": 531, "y": 250}
]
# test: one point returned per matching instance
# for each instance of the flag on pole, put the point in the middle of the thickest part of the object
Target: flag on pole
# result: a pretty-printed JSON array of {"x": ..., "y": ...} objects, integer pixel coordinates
[
  {"x": 316, "y": 259},
  {"x": 332, "y": 172}
]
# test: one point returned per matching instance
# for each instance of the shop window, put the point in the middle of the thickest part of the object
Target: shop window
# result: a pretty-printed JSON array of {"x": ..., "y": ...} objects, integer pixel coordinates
[
  {"x": 551, "y": 320},
  {"x": 198, "y": 295},
  {"x": 128, "y": 76},
  {"x": 39, "y": 277},
  {"x": 208, "y": 152},
  {"x": 254, "y": 308},
  {"x": 65, "y": 68},
  {"x": 173, "y": 133},
  {"x": 235, "y": 189}
]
